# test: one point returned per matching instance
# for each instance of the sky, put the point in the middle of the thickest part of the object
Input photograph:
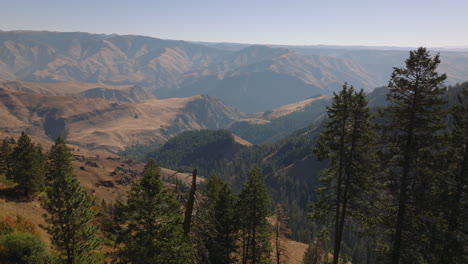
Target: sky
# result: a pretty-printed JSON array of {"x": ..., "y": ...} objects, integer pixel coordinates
[{"x": 402, "y": 23}]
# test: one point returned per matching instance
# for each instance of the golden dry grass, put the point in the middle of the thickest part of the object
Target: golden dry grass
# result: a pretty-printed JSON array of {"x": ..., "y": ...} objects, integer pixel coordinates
[
  {"x": 293, "y": 252},
  {"x": 29, "y": 210},
  {"x": 282, "y": 110},
  {"x": 97, "y": 123},
  {"x": 70, "y": 88},
  {"x": 241, "y": 141}
]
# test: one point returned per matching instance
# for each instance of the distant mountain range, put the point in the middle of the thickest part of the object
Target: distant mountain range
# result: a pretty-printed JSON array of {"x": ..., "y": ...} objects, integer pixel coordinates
[{"x": 251, "y": 78}]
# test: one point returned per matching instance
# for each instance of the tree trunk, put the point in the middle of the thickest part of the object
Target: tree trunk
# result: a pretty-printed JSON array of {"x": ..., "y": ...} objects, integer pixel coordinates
[
  {"x": 402, "y": 199},
  {"x": 190, "y": 204},
  {"x": 277, "y": 243},
  {"x": 337, "y": 243}
]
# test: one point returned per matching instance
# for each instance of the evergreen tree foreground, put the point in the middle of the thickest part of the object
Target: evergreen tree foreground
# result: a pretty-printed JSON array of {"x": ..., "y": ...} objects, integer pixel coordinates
[
  {"x": 151, "y": 222},
  {"x": 70, "y": 214}
]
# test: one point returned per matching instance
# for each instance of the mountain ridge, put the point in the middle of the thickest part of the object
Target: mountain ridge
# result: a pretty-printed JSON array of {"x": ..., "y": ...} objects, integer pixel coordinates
[{"x": 174, "y": 68}]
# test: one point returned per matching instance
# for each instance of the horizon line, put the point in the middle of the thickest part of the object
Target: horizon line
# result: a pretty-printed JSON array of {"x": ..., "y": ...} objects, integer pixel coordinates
[{"x": 449, "y": 47}]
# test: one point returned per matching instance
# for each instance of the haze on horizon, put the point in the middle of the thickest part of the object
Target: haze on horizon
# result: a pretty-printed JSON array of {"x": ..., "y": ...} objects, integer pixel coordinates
[{"x": 397, "y": 23}]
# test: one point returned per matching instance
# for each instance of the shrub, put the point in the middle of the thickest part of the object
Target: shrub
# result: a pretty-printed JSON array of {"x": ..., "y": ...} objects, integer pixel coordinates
[{"x": 20, "y": 248}]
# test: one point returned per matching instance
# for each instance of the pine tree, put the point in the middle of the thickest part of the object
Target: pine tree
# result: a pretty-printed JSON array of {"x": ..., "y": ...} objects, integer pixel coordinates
[
  {"x": 70, "y": 216},
  {"x": 315, "y": 253},
  {"x": 454, "y": 202},
  {"x": 27, "y": 166},
  {"x": 152, "y": 223},
  {"x": 254, "y": 207},
  {"x": 346, "y": 141},
  {"x": 412, "y": 125},
  {"x": 221, "y": 240}
]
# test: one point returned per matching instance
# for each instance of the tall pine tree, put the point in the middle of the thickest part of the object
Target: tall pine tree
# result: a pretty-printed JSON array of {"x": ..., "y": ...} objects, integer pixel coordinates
[
  {"x": 221, "y": 240},
  {"x": 412, "y": 125},
  {"x": 254, "y": 207},
  {"x": 70, "y": 216},
  {"x": 151, "y": 222},
  {"x": 347, "y": 142}
]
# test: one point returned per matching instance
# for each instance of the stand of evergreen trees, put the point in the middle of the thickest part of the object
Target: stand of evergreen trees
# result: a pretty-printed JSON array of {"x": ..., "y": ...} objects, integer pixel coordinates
[
  {"x": 148, "y": 227},
  {"x": 407, "y": 194}
]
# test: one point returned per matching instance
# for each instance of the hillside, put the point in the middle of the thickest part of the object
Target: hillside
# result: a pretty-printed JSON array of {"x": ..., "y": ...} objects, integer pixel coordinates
[
  {"x": 255, "y": 79},
  {"x": 272, "y": 125},
  {"x": 202, "y": 149},
  {"x": 96, "y": 123},
  {"x": 379, "y": 61},
  {"x": 40, "y": 56},
  {"x": 125, "y": 93},
  {"x": 376, "y": 60},
  {"x": 290, "y": 169},
  {"x": 286, "y": 109},
  {"x": 105, "y": 175}
]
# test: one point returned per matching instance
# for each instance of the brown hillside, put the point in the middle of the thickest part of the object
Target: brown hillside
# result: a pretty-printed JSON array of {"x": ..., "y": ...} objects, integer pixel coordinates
[
  {"x": 241, "y": 141},
  {"x": 100, "y": 124},
  {"x": 123, "y": 93},
  {"x": 41, "y": 56},
  {"x": 286, "y": 109},
  {"x": 320, "y": 71}
]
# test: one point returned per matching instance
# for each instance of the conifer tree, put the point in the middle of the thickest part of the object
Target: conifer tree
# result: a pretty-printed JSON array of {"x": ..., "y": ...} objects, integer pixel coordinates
[
  {"x": 454, "y": 202},
  {"x": 346, "y": 141},
  {"x": 315, "y": 252},
  {"x": 221, "y": 241},
  {"x": 412, "y": 125},
  {"x": 27, "y": 166},
  {"x": 254, "y": 207},
  {"x": 70, "y": 216},
  {"x": 152, "y": 223}
]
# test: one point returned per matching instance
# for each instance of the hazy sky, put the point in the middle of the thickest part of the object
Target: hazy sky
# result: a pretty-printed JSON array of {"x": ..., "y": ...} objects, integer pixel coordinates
[{"x": 297, "y": 22}]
